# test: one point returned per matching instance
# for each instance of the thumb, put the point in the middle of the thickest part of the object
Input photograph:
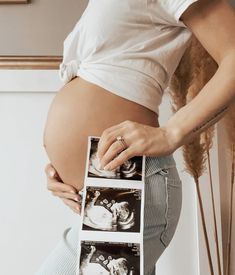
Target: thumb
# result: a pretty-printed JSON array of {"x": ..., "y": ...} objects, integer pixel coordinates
[{"x": 50, "y": 171}]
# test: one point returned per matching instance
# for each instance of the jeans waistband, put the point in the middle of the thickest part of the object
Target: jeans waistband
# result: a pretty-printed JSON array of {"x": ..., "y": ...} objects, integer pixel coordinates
[{"x": 157, "y": 163}]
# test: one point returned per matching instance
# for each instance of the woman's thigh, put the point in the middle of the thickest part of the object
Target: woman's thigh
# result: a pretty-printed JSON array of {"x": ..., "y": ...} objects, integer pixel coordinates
[{"x": 163, "y": 196}]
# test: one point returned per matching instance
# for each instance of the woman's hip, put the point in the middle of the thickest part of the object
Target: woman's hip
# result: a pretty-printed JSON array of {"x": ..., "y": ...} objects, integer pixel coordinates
[
  {"x": 163, "y": 201},
  {"x": 163, "y": 197}
]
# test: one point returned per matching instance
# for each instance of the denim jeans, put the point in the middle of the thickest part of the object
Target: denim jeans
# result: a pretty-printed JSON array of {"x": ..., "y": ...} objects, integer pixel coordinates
[{"x": 163, "y": 201}]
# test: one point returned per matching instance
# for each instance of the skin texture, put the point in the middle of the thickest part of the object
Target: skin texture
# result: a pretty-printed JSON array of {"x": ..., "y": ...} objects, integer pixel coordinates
[{"x": 212, "y": 22}]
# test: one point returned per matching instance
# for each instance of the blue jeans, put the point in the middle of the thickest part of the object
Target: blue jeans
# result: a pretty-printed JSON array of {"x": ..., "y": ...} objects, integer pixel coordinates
[{"x": 163, "y": 201}]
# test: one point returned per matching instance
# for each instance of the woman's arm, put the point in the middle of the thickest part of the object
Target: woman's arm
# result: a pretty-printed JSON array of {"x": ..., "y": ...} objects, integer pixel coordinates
[{"x": 213, "y": 24}]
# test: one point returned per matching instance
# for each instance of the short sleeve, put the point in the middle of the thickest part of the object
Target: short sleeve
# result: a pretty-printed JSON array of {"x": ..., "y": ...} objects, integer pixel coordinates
[{"x": 173, "y": 9}]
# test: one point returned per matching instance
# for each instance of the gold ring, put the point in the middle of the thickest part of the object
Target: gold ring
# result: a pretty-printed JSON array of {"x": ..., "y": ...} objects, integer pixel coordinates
[{"x": 120, "y": 138}]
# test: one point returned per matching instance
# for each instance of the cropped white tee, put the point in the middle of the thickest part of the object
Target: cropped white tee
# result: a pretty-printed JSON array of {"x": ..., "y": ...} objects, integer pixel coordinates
[{"x": 129, "y": 47}]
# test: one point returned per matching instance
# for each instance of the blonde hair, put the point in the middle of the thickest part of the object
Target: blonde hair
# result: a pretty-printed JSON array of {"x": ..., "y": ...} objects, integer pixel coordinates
[{"x": 195, "y": 69}]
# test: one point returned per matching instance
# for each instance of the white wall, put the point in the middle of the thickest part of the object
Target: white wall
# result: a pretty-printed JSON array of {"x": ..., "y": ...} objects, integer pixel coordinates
[{"x": 33, "y": 219}]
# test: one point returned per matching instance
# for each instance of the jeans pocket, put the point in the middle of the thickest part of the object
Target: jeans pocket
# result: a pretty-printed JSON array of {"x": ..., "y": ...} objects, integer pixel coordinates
[{"x": 173, "y": 203}]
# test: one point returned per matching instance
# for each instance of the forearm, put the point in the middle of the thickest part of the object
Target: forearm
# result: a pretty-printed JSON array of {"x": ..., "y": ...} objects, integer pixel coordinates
[{"x": 209, "y": 106}]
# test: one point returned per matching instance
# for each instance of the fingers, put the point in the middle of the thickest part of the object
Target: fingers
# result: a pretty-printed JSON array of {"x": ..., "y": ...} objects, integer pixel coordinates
[
  {"x": 66, "y": 195},
  {"x": 109, "y": 135},
  {"x": 112, "y": 151},
  {"x": 66, "y": 192},
  {"x": 120, "y": 159},
  {"x": 54, "y": 185},
  {"x": 73, "y": 205},
  {"x": 106, "y": 140}
]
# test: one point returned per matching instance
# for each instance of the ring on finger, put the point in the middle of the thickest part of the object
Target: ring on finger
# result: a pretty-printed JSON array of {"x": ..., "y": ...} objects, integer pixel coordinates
[{"x": 122, "y": 141}]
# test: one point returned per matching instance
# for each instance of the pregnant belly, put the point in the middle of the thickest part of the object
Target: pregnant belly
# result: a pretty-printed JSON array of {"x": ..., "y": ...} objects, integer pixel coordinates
[{"x": 81, "y": 109}]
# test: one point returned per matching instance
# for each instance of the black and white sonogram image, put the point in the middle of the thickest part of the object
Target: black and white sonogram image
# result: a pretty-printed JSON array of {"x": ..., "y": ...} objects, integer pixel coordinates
[
  {"x": 112, "y": 209},
  {"x": 130, "y": 170},
  {"x": 109, "y": 258}
]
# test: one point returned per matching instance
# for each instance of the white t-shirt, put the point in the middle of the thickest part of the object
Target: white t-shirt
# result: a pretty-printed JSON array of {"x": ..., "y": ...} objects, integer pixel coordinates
[{"x": 129, "y": 47}]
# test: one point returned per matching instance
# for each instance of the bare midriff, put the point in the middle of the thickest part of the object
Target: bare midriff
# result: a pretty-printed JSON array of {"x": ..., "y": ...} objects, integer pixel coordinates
[{"x": 78, "y": 110}]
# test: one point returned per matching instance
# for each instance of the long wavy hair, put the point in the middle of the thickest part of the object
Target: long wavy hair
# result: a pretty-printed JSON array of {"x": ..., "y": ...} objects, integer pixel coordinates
[{"x": 195, "y": 69}]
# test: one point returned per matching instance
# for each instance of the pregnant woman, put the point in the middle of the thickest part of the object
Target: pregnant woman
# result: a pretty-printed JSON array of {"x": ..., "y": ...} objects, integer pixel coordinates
[{"x": 117, "y": 62}]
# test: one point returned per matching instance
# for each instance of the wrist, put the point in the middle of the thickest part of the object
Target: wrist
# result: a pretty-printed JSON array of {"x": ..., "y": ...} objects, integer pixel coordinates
[{"x": 173, "y": 136}]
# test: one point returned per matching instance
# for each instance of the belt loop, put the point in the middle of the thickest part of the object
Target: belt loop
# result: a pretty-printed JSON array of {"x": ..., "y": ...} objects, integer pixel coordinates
[{"x": 164, "y": 171}]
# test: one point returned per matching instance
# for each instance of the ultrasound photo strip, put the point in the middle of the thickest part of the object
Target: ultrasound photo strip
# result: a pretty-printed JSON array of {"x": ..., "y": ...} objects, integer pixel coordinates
[
  {"x": 111, "y": 217},
  {"x": 109, "y": 258},
  {"x": 112, "y": 209}
]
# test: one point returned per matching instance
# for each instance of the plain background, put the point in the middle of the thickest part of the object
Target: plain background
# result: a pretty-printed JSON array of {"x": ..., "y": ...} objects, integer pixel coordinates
[{"x": 32, "y": 220}]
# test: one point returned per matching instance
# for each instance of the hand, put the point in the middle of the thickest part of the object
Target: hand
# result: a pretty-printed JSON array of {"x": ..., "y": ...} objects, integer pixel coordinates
[
  {"x": 66, "y": 192},
  {"x": 141, "y": 140}
]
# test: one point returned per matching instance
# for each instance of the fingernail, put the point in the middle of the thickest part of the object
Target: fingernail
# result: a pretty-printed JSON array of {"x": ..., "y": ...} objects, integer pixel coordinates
[
  {"x": 107, "y": 167},
  {"x": 73, "y": 192},
  {"x": 77, "y": 199}
]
